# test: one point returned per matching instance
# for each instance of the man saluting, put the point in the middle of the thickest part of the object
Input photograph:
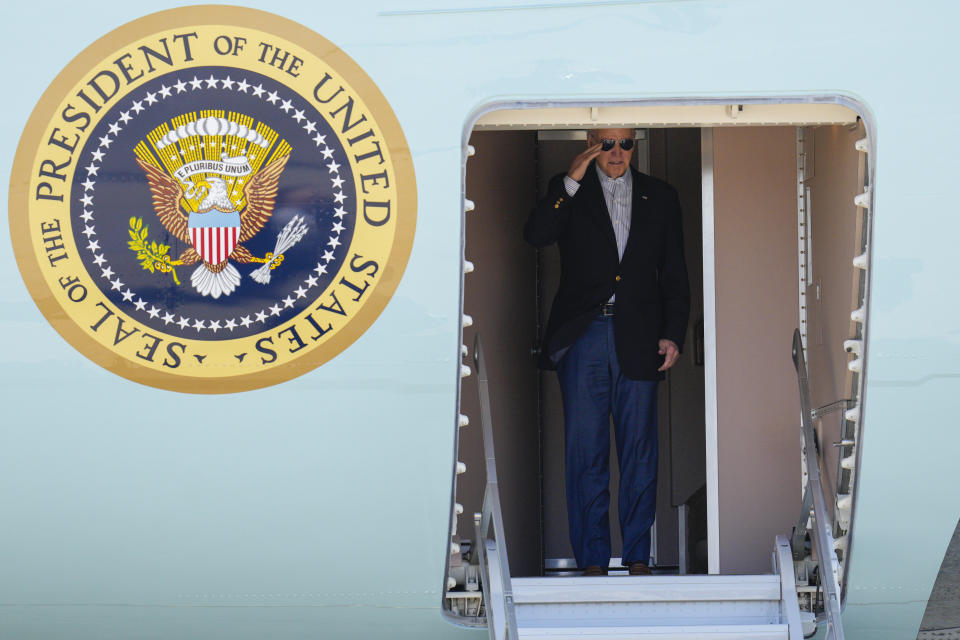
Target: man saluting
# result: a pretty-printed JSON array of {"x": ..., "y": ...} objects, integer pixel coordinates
[{"x": 617, "y": 323}]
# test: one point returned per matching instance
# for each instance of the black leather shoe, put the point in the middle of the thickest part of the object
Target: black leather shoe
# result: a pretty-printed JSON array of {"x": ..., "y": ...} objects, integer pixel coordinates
[
  {"x": 640, "y": 569},
  {"x": 594, "y": 571}
]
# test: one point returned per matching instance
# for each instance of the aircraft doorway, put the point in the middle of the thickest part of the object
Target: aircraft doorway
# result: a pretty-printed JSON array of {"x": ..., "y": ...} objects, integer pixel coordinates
[
  {"x": 509, "y": 302},
  {"x": 730, "y": 477},
  {"x": 673, "y": 155}
]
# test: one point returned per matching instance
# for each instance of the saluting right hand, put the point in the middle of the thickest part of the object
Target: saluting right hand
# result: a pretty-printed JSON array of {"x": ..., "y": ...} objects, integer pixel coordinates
[{"x": 582, "y": 161}]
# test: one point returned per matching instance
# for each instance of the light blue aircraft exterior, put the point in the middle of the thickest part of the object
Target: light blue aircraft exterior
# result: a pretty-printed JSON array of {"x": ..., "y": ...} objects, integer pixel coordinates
[{"x": 320, "y": 507}]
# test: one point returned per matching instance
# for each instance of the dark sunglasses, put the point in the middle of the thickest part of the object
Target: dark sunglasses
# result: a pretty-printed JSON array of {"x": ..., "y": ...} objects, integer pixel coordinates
[{"x": 625, "y": 143}]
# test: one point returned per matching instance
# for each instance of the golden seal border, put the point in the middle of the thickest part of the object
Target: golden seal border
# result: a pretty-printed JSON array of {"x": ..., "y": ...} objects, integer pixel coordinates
[{"x": 212, "y": 15}]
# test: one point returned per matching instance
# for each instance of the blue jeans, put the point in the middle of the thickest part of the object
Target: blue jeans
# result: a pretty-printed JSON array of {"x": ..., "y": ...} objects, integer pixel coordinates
[{"x": 593, "y": 388}]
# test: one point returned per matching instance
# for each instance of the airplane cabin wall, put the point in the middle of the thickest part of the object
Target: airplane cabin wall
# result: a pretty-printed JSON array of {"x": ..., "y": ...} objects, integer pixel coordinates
[
  {"x": 835, "y": 177},
  {"x": 500, "y": 296},
  {"x": 758, "y": 435},
  {"x": 554, "y": 157}
]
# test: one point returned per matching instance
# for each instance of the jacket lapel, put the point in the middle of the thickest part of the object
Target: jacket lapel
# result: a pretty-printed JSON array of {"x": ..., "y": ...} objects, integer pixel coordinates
[{"x": 638, "y": 208}]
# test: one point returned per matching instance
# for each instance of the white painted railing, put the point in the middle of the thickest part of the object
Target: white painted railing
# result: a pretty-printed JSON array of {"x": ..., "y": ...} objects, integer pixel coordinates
[
  {"x": 822, "y": 529},
  {"x": 492, "y": 553}
]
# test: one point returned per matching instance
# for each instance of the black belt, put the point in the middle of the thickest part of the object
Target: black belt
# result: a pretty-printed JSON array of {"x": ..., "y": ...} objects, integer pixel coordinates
[{"x": 606, "y": 309}]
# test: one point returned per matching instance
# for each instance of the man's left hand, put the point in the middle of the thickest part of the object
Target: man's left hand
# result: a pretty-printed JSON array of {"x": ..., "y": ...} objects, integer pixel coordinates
[{"x": 670, "y": 352}]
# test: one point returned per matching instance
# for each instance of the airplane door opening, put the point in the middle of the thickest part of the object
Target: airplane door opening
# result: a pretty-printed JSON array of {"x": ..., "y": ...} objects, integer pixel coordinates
[
  {"x": 510, "y": 303},
  {"x": 728, "y": 479},
  {"x": 673, "y": 155}
]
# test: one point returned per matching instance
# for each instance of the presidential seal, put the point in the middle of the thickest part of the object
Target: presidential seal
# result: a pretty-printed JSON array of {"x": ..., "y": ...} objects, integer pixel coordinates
[{"x": 212, "y": 199}]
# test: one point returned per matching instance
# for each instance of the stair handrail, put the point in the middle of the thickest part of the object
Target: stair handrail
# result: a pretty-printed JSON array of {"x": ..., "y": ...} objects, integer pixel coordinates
[
  {"x": 789, "y": 603},
  {"x": 822, "y": 530},
  {"x": 492, "y": 554}
]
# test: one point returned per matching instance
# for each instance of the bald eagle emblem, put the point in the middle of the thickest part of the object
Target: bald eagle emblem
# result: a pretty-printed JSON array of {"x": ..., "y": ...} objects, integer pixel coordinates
[{"x": 213, "y": 201}]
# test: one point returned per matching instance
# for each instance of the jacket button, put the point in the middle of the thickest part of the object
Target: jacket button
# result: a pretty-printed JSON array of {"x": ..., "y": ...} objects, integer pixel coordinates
[{"x": 618, "y": 278}]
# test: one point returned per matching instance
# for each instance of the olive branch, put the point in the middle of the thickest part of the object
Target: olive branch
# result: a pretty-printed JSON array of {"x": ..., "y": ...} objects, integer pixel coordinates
[{"x": 153, "y": 257}]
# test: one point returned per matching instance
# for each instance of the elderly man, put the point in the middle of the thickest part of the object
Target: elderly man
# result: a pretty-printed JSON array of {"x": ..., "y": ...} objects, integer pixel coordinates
[{"x": 617, "y": 323}]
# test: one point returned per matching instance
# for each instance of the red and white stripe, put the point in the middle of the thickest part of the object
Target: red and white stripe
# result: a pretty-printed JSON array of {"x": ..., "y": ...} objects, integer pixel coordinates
[{"x": 214, "y": 244}]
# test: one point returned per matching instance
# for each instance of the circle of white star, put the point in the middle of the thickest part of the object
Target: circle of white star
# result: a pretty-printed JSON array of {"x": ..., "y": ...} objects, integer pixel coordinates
[{"x": 145, "y": 306}]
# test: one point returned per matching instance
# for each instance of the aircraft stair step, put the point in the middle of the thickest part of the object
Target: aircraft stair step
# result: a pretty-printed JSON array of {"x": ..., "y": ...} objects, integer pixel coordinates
[
  {"x": 671, "y": 632},
  {"x": 650, "y": 607},
  {"x": 646, "y": 588}
]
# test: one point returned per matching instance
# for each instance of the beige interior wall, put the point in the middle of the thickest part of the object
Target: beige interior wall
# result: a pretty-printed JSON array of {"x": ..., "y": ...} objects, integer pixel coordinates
[
  {"x": 834, "y": 177},
  {"x": 755, "y": 226},
  {"x": 500, "y": 295},
  {"x": 554, "y": 157}
]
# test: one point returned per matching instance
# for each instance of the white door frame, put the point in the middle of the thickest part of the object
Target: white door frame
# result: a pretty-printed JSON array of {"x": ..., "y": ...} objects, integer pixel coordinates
[{"x": 710, "y": 352}]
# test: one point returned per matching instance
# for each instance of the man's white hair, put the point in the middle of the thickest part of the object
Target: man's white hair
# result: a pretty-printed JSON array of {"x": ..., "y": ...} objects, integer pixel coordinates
[{"x": 592, "y": 133}]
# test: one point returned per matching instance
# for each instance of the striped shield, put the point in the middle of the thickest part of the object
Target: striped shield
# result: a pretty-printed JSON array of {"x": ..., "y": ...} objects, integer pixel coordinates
[
  {"x": 214, "y": 244},
  {"x": 214, "y": 235}
]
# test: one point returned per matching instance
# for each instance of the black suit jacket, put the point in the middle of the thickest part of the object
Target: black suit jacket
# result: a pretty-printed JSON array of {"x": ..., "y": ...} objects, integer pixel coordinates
[{"x": 653, "y": 294}]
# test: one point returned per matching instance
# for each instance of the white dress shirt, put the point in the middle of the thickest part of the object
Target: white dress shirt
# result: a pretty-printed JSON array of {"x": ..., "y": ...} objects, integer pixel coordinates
[{"x": 618, "y": 194}]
